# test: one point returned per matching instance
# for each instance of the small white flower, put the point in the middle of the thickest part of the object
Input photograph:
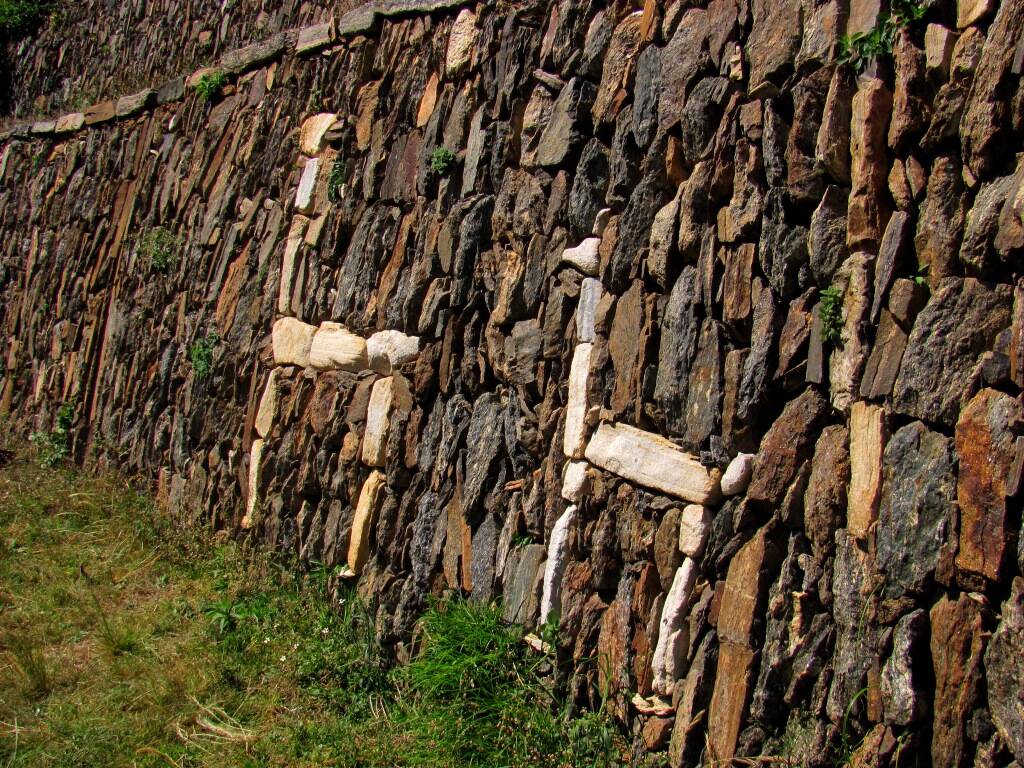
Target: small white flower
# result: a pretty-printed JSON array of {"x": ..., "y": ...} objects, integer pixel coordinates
[
  {"x": 283, "y": 658},
  {"x": 325, "y": 631},
  {"x": 295, "y": 646},
  {"x": 266, "y": 641}
]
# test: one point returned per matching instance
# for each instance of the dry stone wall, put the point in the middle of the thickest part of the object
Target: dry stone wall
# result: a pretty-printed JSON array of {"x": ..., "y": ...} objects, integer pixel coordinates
[{"x": 701, "y": 343}]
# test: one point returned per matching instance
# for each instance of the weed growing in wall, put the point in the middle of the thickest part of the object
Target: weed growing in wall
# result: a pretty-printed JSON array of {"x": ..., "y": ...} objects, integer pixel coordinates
[
  {"x": 831, "y": 314},
  {"x": 159, "y": 247},
  {"x": 336, "y": 181},
  {"x": 210, "y": 85},
  {"x": 441, "y": 160},
  {"x": 200, "y": 354},
  {"x": 53, "y": 446},
  {"x": 860, "y": 49}
]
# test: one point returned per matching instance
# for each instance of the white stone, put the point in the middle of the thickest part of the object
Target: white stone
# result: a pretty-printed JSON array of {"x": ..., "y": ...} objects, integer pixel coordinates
[
  {"x": 461, "y": 42},
  {"x": 601, "y": 221},
  {"x": 387, "y": 350},
  {"x": 654, "y": 462},
  {"x": 694, "y": 525},
  {"x": 585, "y": 256},
  {"x": 586, "y": 310},
  {"x": 575, "y": 481},
  {"x": 335, "y": 348},
  {"x": 737, "y": 474},
  {"x": 291, "y": 251},
  {"x": 266, "y": 413},
  {"x": 305, "y": 194},
  {"x": 292, "y": 340},
  {"x": 574, "y": 438},
  {"x": 255, "y": 478},
  {"x": 378, "y": 419},
  {"x": 673, "y": 635},
  {"x": 362, "y": 522},
  {"x": 554, "y": 567},
  {"x": 312, "y": 132}
]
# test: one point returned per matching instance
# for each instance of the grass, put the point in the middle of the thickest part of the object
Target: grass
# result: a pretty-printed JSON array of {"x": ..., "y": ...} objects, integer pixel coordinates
[
  {"x": 200, "y": 354},
  {"x": 159, "y": 248},
  {"x": 210, "y": 85},
  {"x": 127, "y": 640},
  {"x": 441, "y": 160},
  {"x": 20, "y": 16},
  {"x": 861, "y": 48}
]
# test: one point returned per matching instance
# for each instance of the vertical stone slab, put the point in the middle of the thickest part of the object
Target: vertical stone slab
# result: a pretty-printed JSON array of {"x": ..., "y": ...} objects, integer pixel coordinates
[
  {"x": 378, "y": 418},
  {"x": 362, "y": 522},
  {"x": 867, "y": 443},
  {"x": 574, "y": 440}
]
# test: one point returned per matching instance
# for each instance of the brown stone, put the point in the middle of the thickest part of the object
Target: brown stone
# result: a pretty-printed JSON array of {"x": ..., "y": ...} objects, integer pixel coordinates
[
  {"x": 733, "y": 681},
  {"x": 957, "y": 644},
  {"x": 985, "y": 443},
  {"x": 745, "y": 591},
  {"x": 868, "y": 209},
  {"x": 618, "y": 60},
  {"x": 867, "y": 442},
  {"x": 825, "y": 497}
]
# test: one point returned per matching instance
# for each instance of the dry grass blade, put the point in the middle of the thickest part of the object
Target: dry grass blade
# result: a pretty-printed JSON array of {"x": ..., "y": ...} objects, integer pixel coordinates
[{"x": 213, "y": 724}]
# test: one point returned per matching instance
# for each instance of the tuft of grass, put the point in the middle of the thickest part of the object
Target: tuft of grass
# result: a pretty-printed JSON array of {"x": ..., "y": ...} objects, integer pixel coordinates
[
  {"x": 53, "y": 447},
  {"x": 210, "y": 85},
  {"x": 336, "y": 181},
  {"x": 441, "y": 160},
  {"x": 159, "y": 247},
  {"x": 831, "y": 314},
  {"x": 200, "y": 354}
]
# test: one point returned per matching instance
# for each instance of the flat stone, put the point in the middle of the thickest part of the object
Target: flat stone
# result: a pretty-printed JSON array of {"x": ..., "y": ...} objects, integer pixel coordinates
[
  {"x": 378, "y": 422},
  {"x": 734, "y": 679},
  {"x": 959, "y": 323},
  {"x": 101, "y": 113},
  {"x": 69, "y": 123},
  {"x": 867, "y": 442},
  {"x": 523, "y": 583},
  {"x": 591, "y": 292},
  {"x": 970, "y": 12},
  {"x": 826, "y": 237},
  {"x": 305, "y": 194},
  {"x": 564, "y": 132},
  {"x": 292, "y": 340},
  {"x": 654, "y": 462},
  {"x": 335, "y": 348},
  {"x": 940, "y": 223},
  {"x": 832, "y": 148},
  {"x": 737, "y": 475},
  {"x": 673, "y": 637},
  {"x": 578, "y": 403},
  {"x": 363, "y": 520},
  {"x": 986, "y": 446},
  {"x": 938, "y": 48},
  {"x": 825, "y": 496},
  {"x": 576, "y": 481},
  {"x": 252, "y": 501},
  {"x": 694, "y": 527},
  {"x": 315, "y": 37},
  {"x": 554, "y": 565},
  {"x": 917, "y": 520},
  {"x": 773, "y": 43},
  {"x": 618, "y": 60},
  {"x": 461, "y": 43},
  {"x": 172, "y": 90},
  {"x": 243, "y": 59},
  {"x": 313, "y": 131},
  {"x": 388, "y": 350},
  {"x": 43, "y": 127},
  {"x": 266, "y": 413},
  {"x": 868, "y": 209},
  {"x": 128, "y": 106}
]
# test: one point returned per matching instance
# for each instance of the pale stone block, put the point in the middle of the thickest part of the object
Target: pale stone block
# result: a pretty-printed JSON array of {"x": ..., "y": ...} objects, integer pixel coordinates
[
  {"x": 938, "y": 48},
  {"x": 585, "y": 256},
  {"x": 673, "y": 636},
  {"x": 305, "y": 194},
  {"x": 694, "y": 526},
  {"x": 292, "y": 340},
  {"x": 586, "y": 310},
  {"x": 575, "y": 481},
  {"x": 737, "y": 474},
  {"x": 378, "y": 419},
  {"x": 315, "y": 37},
  {"x": 335, "y": 348},
  {"x": 70, "y": 123},
  {"x": 387, "y": 350},
  {"x": 362, "y": 521},
  {"x": 255, "y": 479},
  {"x": 601, "y": 222},
  {"x": 312, "y": 132},
  {"x": 461, "y": 42},
  {"x": 266, "y": 413},
  {"x": 574, "y": 438},
  {"x": 971, "y": 11},
  {"x": 654, "y": 462},
  {"x": 291, "y": 251},
  {"x": 554, "y": 567},
  {"x": 867, "y": 443}
]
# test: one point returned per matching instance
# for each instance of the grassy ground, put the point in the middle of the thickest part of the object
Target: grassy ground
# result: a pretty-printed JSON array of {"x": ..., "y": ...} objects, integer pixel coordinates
[{"x": 125, "y": 641}]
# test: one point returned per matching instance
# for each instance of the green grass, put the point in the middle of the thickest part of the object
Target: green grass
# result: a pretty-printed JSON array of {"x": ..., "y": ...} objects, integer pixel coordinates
[
  {"x": 200, "y": 354},
  {"x": 20, "y": 16},
  {"x": 159, "y": 248},
  {"x": 127, "y": 640},
  {"x": 210, "y": 85},
  {"x": 441, "y": 160}
]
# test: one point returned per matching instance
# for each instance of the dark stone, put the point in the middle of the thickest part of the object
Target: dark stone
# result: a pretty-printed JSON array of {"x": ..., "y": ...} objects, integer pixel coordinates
[
  {"x": 569, "y": 123},
  {"x": 586, "y": 197},
  {"x": 683, "y": 59},
  {"x": 826, "y": 238},
  {"x": 634, "y": 232},
  {"x": 904, "y": 682},
  {"x": 892, "y": 254},
  {"x": 680, "y": 334},
  {"x": 483, "y": 441},
  {"x": 624, "y": 161},
  {"x": 756, "y": 375},
  {"x": 704, "y": 394},
  {"x": 700, "y": 117},
  {"x": 917, "y": 510},
  {"x": 804, "y": 174},
  {"x": 1004, "y": 670},
  {"x": 959, "y": 323},
  {"x": 825, "y": 497},
  {"x": 783, "y": 248},
  {"x": 647, "y": 91}
]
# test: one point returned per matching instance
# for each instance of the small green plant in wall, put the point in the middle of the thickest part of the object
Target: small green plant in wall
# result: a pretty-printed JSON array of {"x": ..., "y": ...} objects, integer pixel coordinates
[
  {"x": 441, "y": 160},
  {"x": 200, "y": 354},
  {"x": 336, "y": 181},
  {"x": 159, "y": 248},
  {"x": 210, "y": 85},
  {"x": 19, "y": 16},
  {"x": 831, "y": 314},
  {"x": 861, "y": 48},
  {"x": 53, "y": 446}
]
